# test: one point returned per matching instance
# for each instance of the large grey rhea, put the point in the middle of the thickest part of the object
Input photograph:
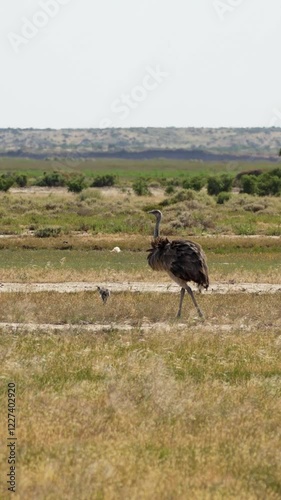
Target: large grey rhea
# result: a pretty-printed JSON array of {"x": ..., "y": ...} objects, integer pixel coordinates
[{"x": 183, "y": 260}]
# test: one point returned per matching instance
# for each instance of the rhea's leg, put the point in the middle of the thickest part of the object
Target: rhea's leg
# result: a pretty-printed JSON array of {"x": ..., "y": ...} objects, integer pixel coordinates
[
  {"x": 188, "y": 289},
  {"x": 181, "y": 301}
]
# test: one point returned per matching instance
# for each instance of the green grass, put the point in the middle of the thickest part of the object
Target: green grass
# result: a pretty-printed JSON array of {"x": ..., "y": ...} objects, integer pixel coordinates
[
  {"x": 80, "y": 260},
  {"x": 127, "y": 170},
  {"x": 186, "y": 212},
  {"x": 237, "y": 263}
]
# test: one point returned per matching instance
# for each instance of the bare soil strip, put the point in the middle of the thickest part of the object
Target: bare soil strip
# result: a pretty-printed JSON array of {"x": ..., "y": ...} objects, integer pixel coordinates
[
  {"x": 50, "y": 327},
  {"x": 136, "y": 286},
  {"x": 143, "y": 327}
]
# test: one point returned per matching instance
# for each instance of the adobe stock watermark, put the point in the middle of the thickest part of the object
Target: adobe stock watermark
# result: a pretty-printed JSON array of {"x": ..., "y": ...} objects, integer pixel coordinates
[
  {"x": 48, "y": 9},
  {"x": 275, "y": 121},
  {"x": 223, "y": 7},
  {"x": 126, "y": 102}
]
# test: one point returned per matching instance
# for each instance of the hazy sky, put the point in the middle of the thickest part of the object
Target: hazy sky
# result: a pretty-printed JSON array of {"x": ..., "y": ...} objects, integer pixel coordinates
[{"x": 131, "y": 63}]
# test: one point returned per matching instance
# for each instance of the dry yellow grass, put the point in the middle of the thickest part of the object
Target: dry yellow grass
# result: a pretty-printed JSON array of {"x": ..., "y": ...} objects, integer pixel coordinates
[
  {"x": 163, "y": 409},
  {"x": 233, "y": 309},
  {"x": 145, "y": 275},
  {"x": 141, "y": 416}
]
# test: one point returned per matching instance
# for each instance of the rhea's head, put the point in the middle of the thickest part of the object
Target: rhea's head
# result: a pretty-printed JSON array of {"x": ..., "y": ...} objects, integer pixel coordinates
[{"x": 157, "y": 214}]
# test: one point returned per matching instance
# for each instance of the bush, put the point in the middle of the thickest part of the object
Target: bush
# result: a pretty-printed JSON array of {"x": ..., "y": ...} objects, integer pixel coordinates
[
  {"x": 268, "y": 185},
  {"x": 187, "y": 195},
  {"x": 219, "y": 183},
  {"x": 104, "y": 180},
  {"x": 171, "y": 182},
  {"x": 196, "y": 183},
  {"x": 275, "y": 172},
  {"x": 179, "y": 197},
  {"x": 46, "y": 232},
  {"x": 223, "y": 197},
  {"x": 54, "y": 179},
  {"x": 90, "y": 195},
  {"x": 253, "y": 207},
  {"x": 253, "y": 172},
  {"x": 77, "y": 184},
  {"x": 263, "y": 184},
  {"x": 140, "y": 187},
  {"x": 21, "y": 180},
  {"x": 169, "y": 189},
  {"x": 6, "y": 181},
  {"x": 248, "y": 184}
]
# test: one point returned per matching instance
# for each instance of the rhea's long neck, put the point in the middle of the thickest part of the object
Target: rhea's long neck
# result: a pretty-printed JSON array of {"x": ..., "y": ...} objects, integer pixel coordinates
[{"x": 157, "y": 227}]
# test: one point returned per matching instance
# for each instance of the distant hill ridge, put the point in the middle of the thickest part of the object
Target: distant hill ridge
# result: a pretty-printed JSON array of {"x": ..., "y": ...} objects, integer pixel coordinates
[{"x": 141, "y": 143}]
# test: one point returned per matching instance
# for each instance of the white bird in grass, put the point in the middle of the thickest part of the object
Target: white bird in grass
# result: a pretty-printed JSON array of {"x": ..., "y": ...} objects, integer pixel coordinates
[{"x": 116, "y": 250}]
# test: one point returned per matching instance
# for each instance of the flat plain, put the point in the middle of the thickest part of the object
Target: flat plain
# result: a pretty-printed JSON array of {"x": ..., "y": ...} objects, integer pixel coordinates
[{"x": 121, "y": 400}]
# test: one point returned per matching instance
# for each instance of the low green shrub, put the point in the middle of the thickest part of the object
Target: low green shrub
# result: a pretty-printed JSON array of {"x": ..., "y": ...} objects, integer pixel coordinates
[
  {"x": 47, "y": 232},
  {"x": 223, "y": 197},
  {"x": 21, "y": 180},
  {"x": 6, "y": 181},
  {"x": 52, "y": 179},
  {"x": 219, "y": 183},
  {"x": 77, "y": 184},
  {"x": 140, "y": 187},
  {"x": 104, "y": 181},
  {"x": 196, "y": 182}
]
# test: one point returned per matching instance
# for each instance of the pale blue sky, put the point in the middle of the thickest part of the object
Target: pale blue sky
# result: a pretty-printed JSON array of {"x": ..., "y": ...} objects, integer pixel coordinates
[{"x": 128, "y": 63}]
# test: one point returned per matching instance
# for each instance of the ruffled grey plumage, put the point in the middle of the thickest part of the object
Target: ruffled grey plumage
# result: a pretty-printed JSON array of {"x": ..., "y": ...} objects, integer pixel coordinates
[{"x": 183, "y": 260}]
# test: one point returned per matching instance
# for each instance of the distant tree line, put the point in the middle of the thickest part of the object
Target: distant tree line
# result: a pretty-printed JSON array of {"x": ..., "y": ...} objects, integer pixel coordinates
[
  {"x": 254, "y": 182},
  {"x": 75, "y": 183}
]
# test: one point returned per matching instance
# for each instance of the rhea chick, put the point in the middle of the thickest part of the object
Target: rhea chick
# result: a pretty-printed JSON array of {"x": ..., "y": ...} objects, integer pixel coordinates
[{"x": 104, "y": 293}]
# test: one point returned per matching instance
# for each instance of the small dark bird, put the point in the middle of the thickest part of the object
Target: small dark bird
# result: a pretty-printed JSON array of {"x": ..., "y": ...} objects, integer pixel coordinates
[
  {"x": 104, "y": 293},
  {"x": 183, "y": 260}
]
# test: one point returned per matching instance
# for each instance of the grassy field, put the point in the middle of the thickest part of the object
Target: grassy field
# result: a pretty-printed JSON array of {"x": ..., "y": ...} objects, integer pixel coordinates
[
  {"x": 231, "y": 309},
  {"x": 178, "y": 414},
  {"x": 61, "y": 265},
  {"x": 121, "y": 400},
  {"x": 113, "y": 211},
  {"x": 126, "y": 169}
]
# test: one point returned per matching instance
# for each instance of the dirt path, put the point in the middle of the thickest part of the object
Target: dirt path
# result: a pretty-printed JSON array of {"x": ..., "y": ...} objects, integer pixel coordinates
[
  {"x": 144, "y": 327},
  {"x": 136, "y": 286},
  {"x": 173, "y": 326},
  {"x": 127, "y": 326}
]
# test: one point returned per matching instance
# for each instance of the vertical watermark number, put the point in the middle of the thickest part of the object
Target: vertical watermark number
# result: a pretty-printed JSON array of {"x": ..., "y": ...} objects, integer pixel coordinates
[{"x": 11, "y": 439}]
